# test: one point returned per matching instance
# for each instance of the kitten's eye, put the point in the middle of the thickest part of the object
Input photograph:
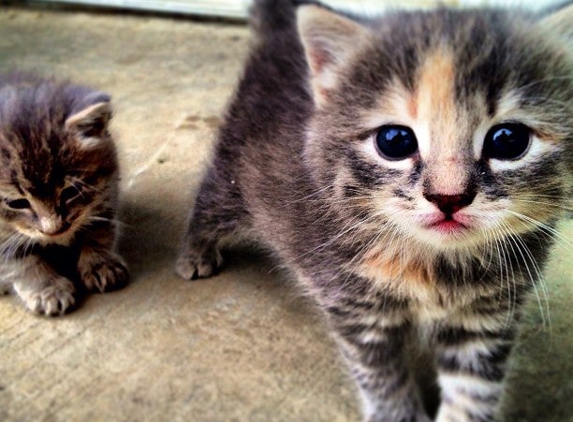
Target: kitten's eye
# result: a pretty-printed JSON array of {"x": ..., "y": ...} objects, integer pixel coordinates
[
  {"x": 508, "y": 141},
  {"x": 68, "y": 194},
  {"x": 396, "y": 142},
  {"x": 18, "y": 204}
]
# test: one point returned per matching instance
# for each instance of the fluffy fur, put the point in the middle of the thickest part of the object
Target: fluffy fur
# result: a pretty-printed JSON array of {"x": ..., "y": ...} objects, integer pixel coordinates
[
  {"x": 446, "y": 241},
  {"x": 58, "y": 193}
]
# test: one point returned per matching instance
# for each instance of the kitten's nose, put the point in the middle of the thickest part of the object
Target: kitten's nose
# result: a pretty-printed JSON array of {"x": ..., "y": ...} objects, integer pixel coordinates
[
  {"x": 450, "y": 204},
  {"x": 51, "y": 225}
]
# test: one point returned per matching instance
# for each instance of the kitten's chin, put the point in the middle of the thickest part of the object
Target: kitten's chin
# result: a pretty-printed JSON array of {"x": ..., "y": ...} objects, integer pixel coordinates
[
  {"x": 446, "y": 233},
  {"x": 63, "y": 238}
]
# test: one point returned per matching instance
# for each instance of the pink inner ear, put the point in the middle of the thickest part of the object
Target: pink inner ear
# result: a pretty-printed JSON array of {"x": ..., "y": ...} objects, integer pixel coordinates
[
  {"x": 94, "y": 115},
  {"x": 320, "y": 58}
]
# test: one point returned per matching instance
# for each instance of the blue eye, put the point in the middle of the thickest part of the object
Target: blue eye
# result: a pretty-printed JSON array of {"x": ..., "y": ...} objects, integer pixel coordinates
[
  {"x": 508, "y": 141},
  {"x": 396, "y": 142}
]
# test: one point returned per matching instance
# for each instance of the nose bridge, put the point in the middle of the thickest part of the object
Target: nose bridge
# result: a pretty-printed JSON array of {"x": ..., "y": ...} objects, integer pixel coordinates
[
  {"x": 444, "y": 148},
  {"x": 48, "y": 218},
  {"x": 450, "y": 156},
  {"x": 448, "y": 175}
]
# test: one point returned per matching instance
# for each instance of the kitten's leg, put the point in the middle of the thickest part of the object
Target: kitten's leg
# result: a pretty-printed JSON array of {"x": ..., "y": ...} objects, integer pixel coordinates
[
  {"x": 41, "y": 289},
  {"x": 216, "y": 214},
  {"x": 471, "y": 367},
  {"x": 100, "y": 268},
  {"x": 375, "y": 350}
]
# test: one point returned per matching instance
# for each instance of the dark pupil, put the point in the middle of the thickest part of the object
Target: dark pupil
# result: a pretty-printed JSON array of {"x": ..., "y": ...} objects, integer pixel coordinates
[
  {"x": 507, "y": 142},
  {"x": 18, "y": 204},
  {"x": 68, "y": 193},
  {"x": 396, "y": 142}
]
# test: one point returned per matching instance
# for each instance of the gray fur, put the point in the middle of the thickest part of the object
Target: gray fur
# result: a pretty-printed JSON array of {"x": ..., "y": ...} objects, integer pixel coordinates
[{"x": 290, "y": 169}]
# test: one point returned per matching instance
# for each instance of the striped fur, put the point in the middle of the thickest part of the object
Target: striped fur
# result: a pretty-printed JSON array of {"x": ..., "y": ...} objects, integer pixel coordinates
[
  {"x": 58, "y": 193},
  {"x": 372, "y": 238}
]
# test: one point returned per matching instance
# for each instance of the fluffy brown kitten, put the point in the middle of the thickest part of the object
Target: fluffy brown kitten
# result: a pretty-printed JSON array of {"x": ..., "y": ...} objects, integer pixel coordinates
[
  {"x": 410, "y": 169},
  {"x": 58, "y": 193}
]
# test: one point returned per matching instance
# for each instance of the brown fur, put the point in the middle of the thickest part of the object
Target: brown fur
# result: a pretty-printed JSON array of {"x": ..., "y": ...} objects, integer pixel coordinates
[{"x": 58, "y": 193}]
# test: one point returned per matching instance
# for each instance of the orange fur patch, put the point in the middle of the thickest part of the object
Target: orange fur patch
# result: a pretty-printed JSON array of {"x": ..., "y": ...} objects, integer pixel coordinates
[
  {"x": 436, "y": 99},
  {"x": 413, "y": 107},
  {"x": 437, "y": 110},
  {"x": 409, "y": 275}
]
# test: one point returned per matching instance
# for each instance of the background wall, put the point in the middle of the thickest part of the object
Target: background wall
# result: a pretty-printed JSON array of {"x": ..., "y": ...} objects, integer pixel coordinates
[{"x": 238, "y": 8}]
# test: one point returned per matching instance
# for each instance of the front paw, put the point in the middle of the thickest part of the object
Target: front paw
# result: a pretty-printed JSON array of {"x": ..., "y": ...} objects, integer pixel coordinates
[
  {"x": 102, "y": 272},
  {"x": 50, "y": 297},
  {"x": 192, "y": 264}
]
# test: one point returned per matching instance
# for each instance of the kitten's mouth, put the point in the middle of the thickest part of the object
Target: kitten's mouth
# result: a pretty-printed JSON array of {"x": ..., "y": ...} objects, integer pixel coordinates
[{"x": 448, "y": 225}]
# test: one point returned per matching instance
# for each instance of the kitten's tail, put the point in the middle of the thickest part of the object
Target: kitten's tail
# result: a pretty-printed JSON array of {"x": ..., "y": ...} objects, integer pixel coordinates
[{"x": 276, "y": 16}]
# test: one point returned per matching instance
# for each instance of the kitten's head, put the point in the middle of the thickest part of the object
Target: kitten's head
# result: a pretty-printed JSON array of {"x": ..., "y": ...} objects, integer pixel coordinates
[
  {"x": 58, "y": 162},
  {"x": 452, "y": 128}
]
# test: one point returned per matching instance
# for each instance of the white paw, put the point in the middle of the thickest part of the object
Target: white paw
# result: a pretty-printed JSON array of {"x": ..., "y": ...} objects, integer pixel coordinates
[
  {"x": 51, "y": 297},
  {"x": 192, "y": 265}
]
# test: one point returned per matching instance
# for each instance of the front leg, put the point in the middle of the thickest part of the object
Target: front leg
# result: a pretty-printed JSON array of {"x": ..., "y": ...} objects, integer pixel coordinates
[
  {"x": 41, "y": 289},
  {"x": 471, "y": 361},
  {"x": 100, "y": 268},
  {"x": 374, "y": 341},
  {"x": 217, "y": 214}
]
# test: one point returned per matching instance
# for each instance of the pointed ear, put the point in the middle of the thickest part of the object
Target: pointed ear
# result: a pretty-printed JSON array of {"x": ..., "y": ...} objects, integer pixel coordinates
[
  {"x": 329, "y": 40},
  {"x": 91, "y": 121},
  {"x": 560, "y": 21}
]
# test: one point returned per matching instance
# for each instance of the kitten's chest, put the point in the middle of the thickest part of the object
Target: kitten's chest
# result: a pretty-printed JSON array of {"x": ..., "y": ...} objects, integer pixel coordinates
[{"x": 432, "y": 288}]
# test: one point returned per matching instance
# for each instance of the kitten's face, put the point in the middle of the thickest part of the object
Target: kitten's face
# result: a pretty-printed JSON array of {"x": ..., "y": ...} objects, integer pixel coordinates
[
  {"x": 450, "y": 129},
  {"x": 56, "y": 167}
]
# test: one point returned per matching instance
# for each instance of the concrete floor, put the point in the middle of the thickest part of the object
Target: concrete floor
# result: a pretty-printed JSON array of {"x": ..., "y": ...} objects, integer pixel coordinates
[{"x": 242, "y": 346}]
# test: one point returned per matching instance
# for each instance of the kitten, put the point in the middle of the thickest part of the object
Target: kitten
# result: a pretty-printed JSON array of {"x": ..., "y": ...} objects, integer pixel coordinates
[
  {"x": 58, "y": 193},
  {"x": 410, "y": 169}
]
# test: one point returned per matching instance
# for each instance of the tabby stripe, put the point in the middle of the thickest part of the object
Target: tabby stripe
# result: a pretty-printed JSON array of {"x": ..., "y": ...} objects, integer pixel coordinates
[
  {"x": 469, "y": 384},
  {"x": 495, "y": 353},
  {"x": 485, "y": 370},
  {"x": 385, "y": 385},
  {"x": 459, "y": 407},
  {"x": 452, "y": 336},
  {"x": 374, "y": 355},
  {"x": 463, "y": 415},
  {"x": 469, "y": 404}
]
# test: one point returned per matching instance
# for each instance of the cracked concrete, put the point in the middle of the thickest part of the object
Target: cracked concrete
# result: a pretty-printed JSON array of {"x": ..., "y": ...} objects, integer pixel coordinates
[{"x": 242, "y": 346}]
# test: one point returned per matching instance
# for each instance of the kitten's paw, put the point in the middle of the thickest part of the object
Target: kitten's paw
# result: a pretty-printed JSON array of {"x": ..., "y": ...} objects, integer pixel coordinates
[
  {"x": 54, "y": 297},
  {"x": 192, "y": 265},
  {"x": 103, "y": 272}
]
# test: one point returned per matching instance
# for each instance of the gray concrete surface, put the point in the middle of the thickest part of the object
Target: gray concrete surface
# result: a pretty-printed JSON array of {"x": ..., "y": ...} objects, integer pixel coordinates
[{"x": 242, "y": 346}]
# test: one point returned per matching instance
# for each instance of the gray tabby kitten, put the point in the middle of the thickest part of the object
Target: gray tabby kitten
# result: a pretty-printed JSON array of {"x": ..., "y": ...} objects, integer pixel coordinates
[
  {"x": 58, "y": 193},
  {"x": 410, "y": 170}
]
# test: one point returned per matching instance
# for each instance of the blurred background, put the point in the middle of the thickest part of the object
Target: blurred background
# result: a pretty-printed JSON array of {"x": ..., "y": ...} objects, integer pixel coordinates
[{"x": 238, "y": 8}]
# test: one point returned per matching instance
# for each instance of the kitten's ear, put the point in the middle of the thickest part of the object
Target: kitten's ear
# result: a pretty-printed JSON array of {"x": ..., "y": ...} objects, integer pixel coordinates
[
  {"x": 329, "y": 40},
  {"x": 91, "y": 121},
  {"x": 561, "y": 22}
]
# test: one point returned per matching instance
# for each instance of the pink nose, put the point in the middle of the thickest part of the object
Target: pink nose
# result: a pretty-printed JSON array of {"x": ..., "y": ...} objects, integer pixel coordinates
[
  {"x": 53, "y": 225},
  {"x": 450, "y": 204}
]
